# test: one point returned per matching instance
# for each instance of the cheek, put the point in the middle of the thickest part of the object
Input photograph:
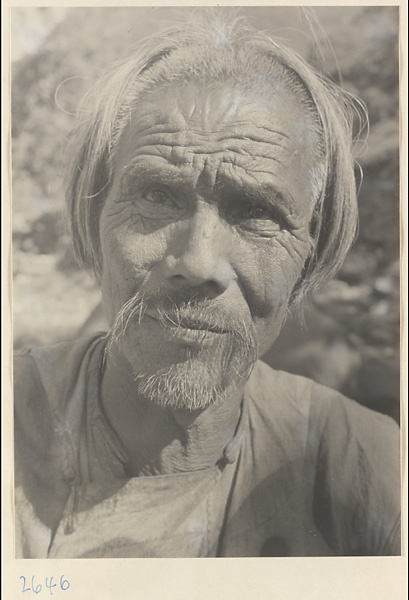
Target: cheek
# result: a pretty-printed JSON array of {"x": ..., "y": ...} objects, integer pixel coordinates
[
  {"x": 272, "y": 272},
  {"x": 128, "y": 258},
  {"x": 268, "y": 285}
]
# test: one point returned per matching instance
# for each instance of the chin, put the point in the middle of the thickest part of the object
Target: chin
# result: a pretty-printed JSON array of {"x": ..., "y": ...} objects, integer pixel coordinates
[
  {"x": 196, "y": 381},
  {"x": 180, "y": 389}
]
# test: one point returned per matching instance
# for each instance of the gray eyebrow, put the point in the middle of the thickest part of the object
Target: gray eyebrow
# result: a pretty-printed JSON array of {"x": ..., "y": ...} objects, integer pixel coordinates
[
  {"x": 251, "y": 186},
  {"x": 227, "y": 184}
]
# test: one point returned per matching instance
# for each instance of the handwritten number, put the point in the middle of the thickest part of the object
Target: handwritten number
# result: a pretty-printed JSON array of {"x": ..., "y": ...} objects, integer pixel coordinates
[
  {"x": 24, "y": 584},
  {"x": 37, "y": 589},
  {"x": 63, "y": 582},
  {"x": 50, "y": 585},
  {"x": 64, "y": 585}
]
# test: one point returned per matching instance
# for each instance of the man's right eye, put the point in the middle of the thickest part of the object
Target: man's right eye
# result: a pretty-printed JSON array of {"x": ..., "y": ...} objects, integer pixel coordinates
[
  {"x": 158, "y": 198},
  {"x": 156, "y": 204}
]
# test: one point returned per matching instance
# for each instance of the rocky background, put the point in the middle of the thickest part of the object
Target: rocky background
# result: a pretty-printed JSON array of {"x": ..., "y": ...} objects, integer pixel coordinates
[{"x": 350, "y": 338}]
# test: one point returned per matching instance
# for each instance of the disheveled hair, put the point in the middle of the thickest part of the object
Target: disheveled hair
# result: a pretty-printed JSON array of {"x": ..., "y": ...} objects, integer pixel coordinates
[{"x": 219, "y": 51}]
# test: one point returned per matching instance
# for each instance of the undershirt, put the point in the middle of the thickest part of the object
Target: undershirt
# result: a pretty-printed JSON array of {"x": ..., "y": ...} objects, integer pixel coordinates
[{"x": 307, "y": 473}]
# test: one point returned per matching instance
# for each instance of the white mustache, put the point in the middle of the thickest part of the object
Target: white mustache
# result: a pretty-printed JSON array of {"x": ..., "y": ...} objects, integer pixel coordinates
[{"x": 177, "y": 311}]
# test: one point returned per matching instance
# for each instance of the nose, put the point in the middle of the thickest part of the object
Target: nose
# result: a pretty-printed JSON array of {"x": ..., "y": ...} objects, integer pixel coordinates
[{"x": 198, "y": 256}]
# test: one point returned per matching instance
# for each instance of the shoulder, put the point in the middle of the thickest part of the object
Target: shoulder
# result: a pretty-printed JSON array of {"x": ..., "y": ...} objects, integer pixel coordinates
[
  {"x": 49, "y": 371},
  {"x": 284, "y": 396},
  {"x": 46, "y": 411},
  {"x": 44, "y": 380},
  {"x": 356, "y": 453}
]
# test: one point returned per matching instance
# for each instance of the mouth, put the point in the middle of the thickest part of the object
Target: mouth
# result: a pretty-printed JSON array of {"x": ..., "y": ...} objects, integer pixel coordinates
[
  {"x": 197, "y": 326},
  {"x": 189, "y": 331}
]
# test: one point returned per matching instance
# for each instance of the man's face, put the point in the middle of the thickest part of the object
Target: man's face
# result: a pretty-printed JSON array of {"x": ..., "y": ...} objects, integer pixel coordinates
[{"x": 207, "y": 219}]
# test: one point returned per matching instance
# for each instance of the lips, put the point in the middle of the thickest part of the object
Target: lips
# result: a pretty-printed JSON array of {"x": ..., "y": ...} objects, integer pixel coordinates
[
  {"x": 197, "y": 325},
  {"x": 189, "y": 331}
]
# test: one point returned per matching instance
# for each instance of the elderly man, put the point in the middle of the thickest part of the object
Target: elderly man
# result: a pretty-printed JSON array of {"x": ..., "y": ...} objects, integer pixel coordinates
[{"x": 211, "y": 188}]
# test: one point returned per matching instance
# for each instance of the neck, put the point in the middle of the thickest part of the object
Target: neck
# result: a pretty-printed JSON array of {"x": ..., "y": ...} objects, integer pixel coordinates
[{"x": 163, "y": 440}]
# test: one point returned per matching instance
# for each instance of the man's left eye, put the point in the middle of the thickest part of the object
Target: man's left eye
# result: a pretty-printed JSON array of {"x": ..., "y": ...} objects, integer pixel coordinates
[{"x": 256, "y": 212}]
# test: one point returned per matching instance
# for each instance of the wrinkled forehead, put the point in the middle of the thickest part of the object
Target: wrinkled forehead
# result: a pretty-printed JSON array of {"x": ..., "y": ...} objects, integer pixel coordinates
[
  {"x": 207, "y": 107},
  {"x": 266, "y": 130}
]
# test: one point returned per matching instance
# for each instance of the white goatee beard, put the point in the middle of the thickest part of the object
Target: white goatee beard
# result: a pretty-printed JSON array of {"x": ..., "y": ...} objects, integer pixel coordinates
[
  {"x": 179, "y": 389},
  {"x": 192, "y": 384}
]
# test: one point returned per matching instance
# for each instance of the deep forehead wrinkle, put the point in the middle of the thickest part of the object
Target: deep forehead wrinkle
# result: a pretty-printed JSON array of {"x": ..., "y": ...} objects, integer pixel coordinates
[
  {"x": 232, "y": 139},
  {"x": 180, "y": 148},
  {"x": 209, "y": 156},
  {"x": 160, "y": 122},
  {"x": 247, "y": 144},
  {"x": 250, "y": 160},
  {"x": 245, "y": 130},
  {"x": 215, "y": 110},
  {"x": 150, "y": 125}
]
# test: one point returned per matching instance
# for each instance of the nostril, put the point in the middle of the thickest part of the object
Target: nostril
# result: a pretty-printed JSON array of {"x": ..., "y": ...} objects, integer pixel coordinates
[
  {"x": 209, "y": 288},
  {"x": 213, "y": 288},
  {"x": 179, "y": 279}
]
